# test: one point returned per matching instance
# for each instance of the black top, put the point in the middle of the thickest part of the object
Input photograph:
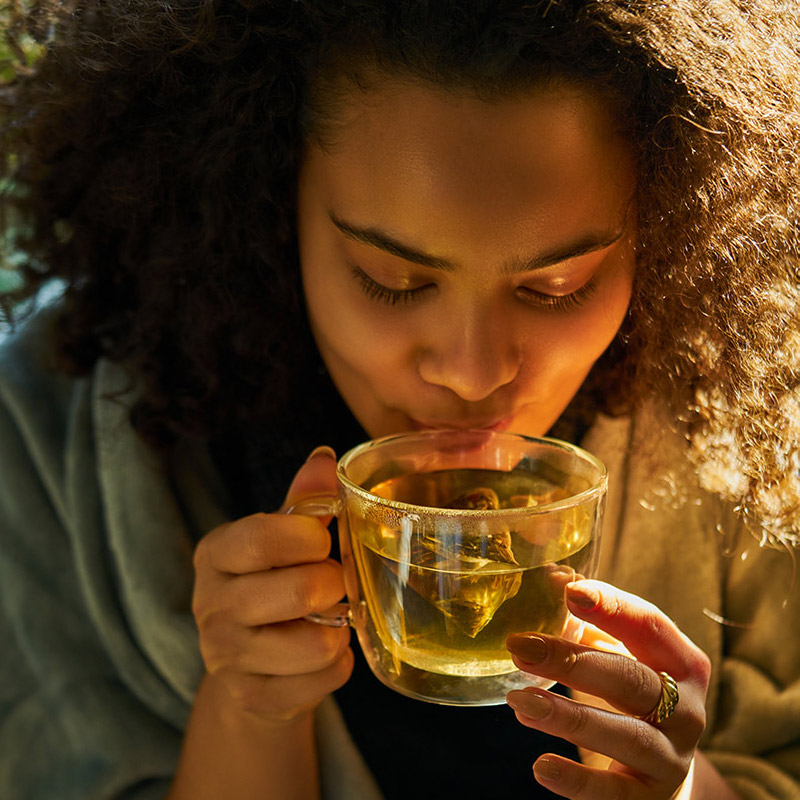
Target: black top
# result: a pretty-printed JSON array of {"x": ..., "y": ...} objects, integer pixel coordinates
[{"x": 413, "y": 748}]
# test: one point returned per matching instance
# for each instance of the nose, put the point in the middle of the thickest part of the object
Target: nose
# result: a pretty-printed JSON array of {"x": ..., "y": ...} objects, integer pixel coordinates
[{"x": 472, "y": 356}]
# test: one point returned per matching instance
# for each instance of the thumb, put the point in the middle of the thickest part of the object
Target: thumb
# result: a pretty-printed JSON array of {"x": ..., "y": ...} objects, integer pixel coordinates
[{"x": 316, "y": 477}]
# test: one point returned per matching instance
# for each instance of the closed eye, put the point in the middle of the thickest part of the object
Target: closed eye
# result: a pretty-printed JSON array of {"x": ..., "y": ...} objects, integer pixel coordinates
[
  {"x": 559, "y": 302},
  {"x": 377, "y": 291}
]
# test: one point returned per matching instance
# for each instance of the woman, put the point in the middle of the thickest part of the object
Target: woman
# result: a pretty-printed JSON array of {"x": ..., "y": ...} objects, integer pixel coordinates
[{"x": 278, "y": 225}]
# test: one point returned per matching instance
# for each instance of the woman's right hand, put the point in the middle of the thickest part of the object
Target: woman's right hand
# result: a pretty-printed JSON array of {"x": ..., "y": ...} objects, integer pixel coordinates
[{"x": 255, "y": 580}]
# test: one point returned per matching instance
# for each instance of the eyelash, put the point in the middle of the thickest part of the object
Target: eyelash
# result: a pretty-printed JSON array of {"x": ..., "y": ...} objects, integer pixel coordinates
[
  {"x": 563, "y": 302},
  {"x": 392, "y": 297},
  {"x": 376, "y": 291}
]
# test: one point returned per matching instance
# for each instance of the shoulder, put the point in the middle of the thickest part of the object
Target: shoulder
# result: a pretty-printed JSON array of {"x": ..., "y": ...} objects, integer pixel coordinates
[
  {"x": 39, "y": 406},
  {"x": 27, "y": 370}
]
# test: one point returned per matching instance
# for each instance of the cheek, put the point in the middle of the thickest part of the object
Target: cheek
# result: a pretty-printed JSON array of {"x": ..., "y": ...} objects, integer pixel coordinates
[
  {"x": 569, "y": 344},
  {"x": 606, "y": 313},
  {"x": 351, "y": 328},
  {"x": 604, "y": 319}
]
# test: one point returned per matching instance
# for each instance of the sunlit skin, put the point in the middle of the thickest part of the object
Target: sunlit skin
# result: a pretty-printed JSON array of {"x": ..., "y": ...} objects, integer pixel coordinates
[{"x": 466, "y": 262}]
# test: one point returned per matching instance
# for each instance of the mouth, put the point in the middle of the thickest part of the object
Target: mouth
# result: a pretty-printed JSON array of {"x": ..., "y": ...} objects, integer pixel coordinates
[{"x": 462, "y": 424}]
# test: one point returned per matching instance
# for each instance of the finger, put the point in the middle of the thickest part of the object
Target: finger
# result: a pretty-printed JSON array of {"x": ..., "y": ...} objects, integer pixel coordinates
[
  {"x": 317, "y": 477},
  {"x": 277, "y": 595},
  {"x": 626, "y": 684},
  {"x": 283, "y": 697},
  {"x": 263, "y": 541},
  {"x": 648, "y": 633},
  {"x": 636, "y": 744},
  {"x": 288, "y": 648},
  {"x": 592, "y": 636},
  {"x": 579, "y": 782}
]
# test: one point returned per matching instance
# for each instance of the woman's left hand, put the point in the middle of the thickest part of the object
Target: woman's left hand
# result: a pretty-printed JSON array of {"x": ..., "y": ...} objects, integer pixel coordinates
[{"x": 649, "y": 760}]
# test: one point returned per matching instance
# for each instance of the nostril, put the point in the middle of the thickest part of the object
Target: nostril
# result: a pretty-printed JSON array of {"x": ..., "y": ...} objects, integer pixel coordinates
[{"x": 473, "y": 377}]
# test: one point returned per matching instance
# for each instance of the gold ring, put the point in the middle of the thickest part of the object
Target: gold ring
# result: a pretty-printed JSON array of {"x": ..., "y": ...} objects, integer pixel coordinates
[{"x": 666, "y": 704}]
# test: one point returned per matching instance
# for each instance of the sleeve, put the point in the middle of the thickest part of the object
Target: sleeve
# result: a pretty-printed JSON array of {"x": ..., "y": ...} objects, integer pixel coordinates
[
  {"x": 755, "y": 743},
  {"x": 662, "y": 540},
  {"x": 70, "y": 728}
]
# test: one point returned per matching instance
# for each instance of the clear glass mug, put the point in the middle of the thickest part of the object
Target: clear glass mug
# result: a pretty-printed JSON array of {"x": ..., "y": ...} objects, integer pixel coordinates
[{"x": 451, "y": 541}]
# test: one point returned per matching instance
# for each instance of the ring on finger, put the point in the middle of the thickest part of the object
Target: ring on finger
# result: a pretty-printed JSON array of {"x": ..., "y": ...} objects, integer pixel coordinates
[{"x": 667, "y": 702}]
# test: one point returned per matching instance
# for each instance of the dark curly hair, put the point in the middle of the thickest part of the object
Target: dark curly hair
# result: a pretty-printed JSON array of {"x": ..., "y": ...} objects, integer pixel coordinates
[{"x": 151, "y": 160}]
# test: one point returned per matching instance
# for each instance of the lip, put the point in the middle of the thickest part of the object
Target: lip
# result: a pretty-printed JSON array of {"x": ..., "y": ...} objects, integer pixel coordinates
[{"x": 459, "y": 425}]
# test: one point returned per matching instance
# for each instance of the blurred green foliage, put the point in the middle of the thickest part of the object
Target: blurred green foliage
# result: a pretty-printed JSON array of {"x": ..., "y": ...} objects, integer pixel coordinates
[{"x": 18, "y": 53}]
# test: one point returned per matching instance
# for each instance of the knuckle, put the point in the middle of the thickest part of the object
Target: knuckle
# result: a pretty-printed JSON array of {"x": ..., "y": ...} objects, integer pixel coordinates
[
  {"x": 199, "y": 609},
  {"x": 579, "y": 784},
  {"x": 203, "y": 556},
  {"x": 318, "y": 587},
  {"x": 578, "y": 719},
  {"x": 304, "y": 593},
  {"x": 616, "y": 608},
  {"x": 200, "y": 555},
  {"x": 207, "y": 654},
  {"x": 343, "y": 668},
  {"x": 694, "y": 726},
  {"x": 641, "y": 739},
  {"x": 217, "y": 648},
  {"x": 329, "y": 643},
  {"x": 653, "y": 627},
  {"x": 211, "y": 608},
  {"x": 204, "y": 604},
  {"x": 700, "y": 666},
  {"x": 205, "y": 613},
  {"x": 261, "y": 544},
  {"x": 214, "y": 664},
  {"x": 637, "y": 678}
]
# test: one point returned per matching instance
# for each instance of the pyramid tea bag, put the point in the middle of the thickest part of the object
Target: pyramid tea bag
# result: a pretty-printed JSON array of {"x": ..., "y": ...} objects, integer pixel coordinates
[{"x": 460, "y": 573}]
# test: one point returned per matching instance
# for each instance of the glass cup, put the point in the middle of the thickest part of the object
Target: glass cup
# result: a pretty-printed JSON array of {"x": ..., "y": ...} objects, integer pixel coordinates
[{"x": 451, "y": 541}]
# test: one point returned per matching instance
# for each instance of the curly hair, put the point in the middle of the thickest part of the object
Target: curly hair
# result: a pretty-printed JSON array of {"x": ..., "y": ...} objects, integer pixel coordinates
[{"x": 151, "y": 161}]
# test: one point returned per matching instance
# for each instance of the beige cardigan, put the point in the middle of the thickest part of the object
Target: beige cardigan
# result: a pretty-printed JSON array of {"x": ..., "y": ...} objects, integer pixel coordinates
[{"x": 663, "y": 539}]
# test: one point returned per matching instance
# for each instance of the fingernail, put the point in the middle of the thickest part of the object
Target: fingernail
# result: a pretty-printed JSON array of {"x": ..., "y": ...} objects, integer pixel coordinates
[
  {"x": 322, "y": 450},
  {"x": 529, "y": 704},
  {"x": 528, "y": 647},
  {"x": 546, "y": 770},
  {"x": 583, "y": 596}
]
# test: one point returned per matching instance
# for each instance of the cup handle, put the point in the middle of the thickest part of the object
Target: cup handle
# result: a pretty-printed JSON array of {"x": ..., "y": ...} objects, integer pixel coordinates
[{"x": 340, "y": 615}]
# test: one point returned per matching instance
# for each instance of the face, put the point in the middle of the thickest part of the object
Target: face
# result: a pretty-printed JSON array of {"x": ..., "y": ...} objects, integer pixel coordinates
[{"x": 465, "y": 262}]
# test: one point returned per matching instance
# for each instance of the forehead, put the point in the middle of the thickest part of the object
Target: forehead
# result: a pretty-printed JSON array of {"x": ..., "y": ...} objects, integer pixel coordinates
[{"x": 421, "y": 158}]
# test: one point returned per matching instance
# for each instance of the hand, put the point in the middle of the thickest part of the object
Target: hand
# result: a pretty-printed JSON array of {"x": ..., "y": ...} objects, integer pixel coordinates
[
  {"x": 255, "y": 580},
  {"x": 648, "y": 761}
]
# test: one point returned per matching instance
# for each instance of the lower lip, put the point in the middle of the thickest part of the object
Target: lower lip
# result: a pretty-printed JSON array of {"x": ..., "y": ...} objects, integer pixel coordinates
[{"x": 497, "y": 426}]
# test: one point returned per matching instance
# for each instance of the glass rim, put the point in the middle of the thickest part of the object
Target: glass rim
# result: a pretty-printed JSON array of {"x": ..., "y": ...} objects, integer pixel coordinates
[{"x": 597, "y": 489}]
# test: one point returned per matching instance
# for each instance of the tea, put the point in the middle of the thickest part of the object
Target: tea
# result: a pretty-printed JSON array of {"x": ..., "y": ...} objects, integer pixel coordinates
[{"x": 441, "y": 600}]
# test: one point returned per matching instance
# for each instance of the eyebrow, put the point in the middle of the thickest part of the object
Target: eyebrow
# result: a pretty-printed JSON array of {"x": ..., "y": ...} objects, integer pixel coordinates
[{"x": 374, "y": 237}]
